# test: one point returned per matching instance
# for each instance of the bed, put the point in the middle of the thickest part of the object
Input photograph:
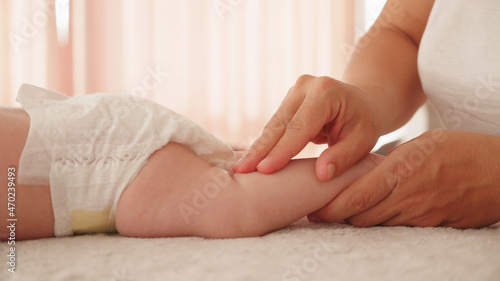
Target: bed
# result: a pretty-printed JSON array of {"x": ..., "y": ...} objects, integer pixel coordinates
[{"x": 302, "y": 251}]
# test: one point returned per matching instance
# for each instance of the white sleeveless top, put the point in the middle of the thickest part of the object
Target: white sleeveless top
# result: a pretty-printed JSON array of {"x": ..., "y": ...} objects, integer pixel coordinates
[{"x": 459, "y": 64}]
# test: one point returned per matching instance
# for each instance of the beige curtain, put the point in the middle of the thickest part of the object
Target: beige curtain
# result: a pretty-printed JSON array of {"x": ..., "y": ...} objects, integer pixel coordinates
[{"x": 227, "y": 64}]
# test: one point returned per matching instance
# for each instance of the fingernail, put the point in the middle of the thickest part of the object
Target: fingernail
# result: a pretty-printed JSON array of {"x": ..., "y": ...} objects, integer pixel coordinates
[
  {"x": 241, "y": 160},
  {"x": 313, "y": 219},
  {"x": 331, "y": 170},
  {"x": 237, "y": 166},
  {"x": 263, "y": 162}
]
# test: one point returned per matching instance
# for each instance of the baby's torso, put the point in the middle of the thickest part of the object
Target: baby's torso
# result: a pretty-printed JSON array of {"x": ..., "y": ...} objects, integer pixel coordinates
[{"x": 15, "y": 124}]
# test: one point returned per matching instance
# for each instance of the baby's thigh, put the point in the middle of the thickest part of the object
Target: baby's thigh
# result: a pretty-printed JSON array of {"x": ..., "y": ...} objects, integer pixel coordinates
[{"x": 150, "y": 205}]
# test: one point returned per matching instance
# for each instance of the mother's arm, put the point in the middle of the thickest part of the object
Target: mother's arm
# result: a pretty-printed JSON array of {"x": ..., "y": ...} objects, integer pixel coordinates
[
  {"x": 381, "y": 92},
  {"x": 384, "y": 61}
]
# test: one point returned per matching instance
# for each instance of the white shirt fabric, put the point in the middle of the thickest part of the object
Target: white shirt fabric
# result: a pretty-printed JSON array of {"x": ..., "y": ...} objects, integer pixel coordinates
[{"x": 459, "y": 64}]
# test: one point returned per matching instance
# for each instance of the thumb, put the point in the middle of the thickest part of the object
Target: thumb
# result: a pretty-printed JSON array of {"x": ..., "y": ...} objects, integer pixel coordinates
[{"x": 342, "y": 155}]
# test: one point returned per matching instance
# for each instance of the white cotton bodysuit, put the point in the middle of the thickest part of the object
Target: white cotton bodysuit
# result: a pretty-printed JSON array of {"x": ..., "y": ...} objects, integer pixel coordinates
[
  {"x": 459, "y": 64},
  {"x": 89, "y": 148}
]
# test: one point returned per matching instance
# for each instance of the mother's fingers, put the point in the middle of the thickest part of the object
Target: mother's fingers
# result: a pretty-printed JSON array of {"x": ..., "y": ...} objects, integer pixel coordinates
[
  {"x": 271, "y": 134},
  {"x": 424, "y": 220},
  {"x": 344, "y": 154},
  {"x": 361, "y": 195},
  {"x": 381, "y": 212},
  {"x": 307, "y": 122}
]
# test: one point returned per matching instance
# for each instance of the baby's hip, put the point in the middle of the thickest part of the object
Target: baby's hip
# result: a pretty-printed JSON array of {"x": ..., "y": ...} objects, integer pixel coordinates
[{"x": 15, "y": 124}]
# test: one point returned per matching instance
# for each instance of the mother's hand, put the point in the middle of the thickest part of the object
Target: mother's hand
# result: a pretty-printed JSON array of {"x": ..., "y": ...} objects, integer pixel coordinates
[
  {"x": 442, "y": 178},
  {"x": 322, "y": 110}
]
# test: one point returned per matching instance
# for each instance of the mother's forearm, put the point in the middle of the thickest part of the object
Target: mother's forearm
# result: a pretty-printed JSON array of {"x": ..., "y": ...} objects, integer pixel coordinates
[
  {"x": 386, "y": 72},
  {"x": 383, "y": 63}
]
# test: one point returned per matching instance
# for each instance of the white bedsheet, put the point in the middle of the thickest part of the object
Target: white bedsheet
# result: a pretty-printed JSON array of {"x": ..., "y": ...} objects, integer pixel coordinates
[{"x": 303, "y": 251}]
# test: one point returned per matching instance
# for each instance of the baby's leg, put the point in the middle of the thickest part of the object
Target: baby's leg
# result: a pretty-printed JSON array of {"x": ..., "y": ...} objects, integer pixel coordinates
[{"x": 178, "y": 194}]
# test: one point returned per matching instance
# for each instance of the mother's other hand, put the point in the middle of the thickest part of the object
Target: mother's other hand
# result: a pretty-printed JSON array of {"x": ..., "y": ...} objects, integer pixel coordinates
[{"x": 442, "y": 178}]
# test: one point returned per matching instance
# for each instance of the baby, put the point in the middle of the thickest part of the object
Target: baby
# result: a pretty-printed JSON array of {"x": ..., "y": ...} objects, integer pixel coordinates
[{"x": 106, "y": 163}]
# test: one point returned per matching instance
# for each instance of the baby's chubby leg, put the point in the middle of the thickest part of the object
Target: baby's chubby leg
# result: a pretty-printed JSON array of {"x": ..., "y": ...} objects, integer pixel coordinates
[{"x": 178, "y": 194}]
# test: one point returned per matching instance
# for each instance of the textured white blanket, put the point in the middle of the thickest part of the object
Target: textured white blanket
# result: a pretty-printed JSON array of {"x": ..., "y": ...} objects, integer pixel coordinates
[{"x": 303, "y": 251}]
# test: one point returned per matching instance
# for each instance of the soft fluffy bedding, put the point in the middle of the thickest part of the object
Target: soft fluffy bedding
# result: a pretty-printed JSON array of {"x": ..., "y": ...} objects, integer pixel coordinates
[{"x": 303, "y": 251}]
